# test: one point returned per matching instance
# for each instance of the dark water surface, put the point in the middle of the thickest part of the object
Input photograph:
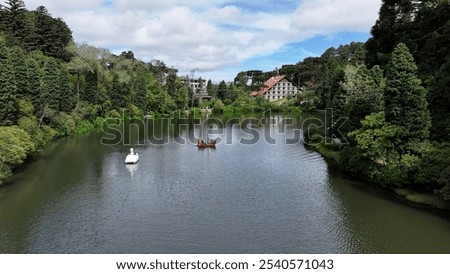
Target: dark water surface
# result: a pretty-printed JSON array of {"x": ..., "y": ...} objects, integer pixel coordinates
[{"x": 79, "y": 197}]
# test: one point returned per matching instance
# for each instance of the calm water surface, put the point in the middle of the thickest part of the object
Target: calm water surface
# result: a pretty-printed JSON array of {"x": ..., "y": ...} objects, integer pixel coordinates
[{"x": 79, "y": 197}]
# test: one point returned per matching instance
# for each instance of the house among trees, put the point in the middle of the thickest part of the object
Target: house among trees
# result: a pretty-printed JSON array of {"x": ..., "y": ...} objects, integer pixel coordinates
[
  {"x": 198, "y": 86},
  {"x": 277, "y": 88}
]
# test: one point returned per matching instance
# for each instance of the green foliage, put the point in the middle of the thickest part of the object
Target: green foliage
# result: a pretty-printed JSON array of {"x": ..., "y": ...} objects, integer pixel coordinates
[
  {"x": 117, "y": 93},
  {"x": 405, "y": 98},
  {"x": 67, "y": 99},
  {"x": 83, "y": 127},
  {"x": 53, "y": 35},
  {"x": 359, "y": 96},
  {"x": 141, "y": 94},
  {"x": 90, "y": 92},
  {"x": 424, "y": 26},
  {"x": 35, "y": 30},
  {"x": 222, "y": 91},
  {"x": 30, "y": 125},
  {"x": 15, "y": 145},
  {"x": 218, "y": 106},
  {"x": 51, "y": 93},
  {"x": 439, "y": 99},
  {"x": 228, "y": 109},
  {"x": 8, "y": 88},
  {"x": 433, "y": 171},
  {"x": 354, "y": 162},
  {"x": 376, "y": 139},
  {"x": 32, "y": 89},
  {"x": 390, "y": 29},
  {"x": 64, "y": 124}
]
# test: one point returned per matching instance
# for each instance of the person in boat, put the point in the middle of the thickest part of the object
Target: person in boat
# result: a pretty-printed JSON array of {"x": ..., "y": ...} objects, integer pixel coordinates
[
  {"x": 200, "y": 142},
  {"x": 212, "y": 141}
]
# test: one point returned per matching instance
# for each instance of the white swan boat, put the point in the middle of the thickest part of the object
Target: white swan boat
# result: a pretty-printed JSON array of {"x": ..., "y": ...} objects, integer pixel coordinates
[{"x": 132, "y": 157}]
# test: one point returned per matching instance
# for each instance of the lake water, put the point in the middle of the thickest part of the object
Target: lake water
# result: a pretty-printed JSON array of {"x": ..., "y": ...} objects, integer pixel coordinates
[{"x": 78, "y": 196}]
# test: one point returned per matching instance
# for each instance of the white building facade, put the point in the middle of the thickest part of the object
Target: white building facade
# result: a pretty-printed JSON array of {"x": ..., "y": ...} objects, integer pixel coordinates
[{"x": 277, "y": 88}]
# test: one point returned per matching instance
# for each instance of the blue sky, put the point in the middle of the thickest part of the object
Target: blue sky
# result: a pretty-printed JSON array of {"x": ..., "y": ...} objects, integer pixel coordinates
[{"x": 218, "y": 37}]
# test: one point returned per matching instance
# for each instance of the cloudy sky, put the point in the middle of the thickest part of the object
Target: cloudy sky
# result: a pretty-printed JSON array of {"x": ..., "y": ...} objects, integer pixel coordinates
[{"x": 217, "y": 37}]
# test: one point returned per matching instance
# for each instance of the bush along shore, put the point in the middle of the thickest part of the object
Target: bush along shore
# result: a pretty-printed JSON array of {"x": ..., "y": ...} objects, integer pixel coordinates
[{"x": 352, "y": 162}]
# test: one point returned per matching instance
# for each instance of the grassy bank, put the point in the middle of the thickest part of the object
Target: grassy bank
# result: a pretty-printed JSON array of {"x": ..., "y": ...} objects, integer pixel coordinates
[{"x": 427, "y": 199}]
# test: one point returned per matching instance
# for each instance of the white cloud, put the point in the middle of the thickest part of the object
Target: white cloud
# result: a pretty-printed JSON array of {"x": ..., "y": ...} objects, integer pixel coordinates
[
  {"x": 59, "y": 8},
  {"x": 331, "y": 16},
  {"x": 209, "y": 35}
]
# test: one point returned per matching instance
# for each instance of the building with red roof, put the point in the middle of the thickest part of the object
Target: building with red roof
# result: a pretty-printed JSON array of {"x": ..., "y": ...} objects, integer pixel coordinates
[{"x": 277, "y": 88}]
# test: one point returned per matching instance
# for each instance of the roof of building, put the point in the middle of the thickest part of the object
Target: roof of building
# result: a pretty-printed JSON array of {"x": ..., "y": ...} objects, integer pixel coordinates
[{"x": 268, "y": 85}]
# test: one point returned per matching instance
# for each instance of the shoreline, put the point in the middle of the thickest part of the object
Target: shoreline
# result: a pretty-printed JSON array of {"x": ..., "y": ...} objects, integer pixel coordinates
[{"x": 412, "y": 197}]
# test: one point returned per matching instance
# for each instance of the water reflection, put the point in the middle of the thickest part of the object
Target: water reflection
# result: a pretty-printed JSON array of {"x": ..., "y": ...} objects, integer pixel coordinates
[{"x": 132, "y": 169}]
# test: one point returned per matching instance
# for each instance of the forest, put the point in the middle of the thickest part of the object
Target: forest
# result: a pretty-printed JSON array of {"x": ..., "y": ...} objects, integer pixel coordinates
[{"x": 393, "y": 88}]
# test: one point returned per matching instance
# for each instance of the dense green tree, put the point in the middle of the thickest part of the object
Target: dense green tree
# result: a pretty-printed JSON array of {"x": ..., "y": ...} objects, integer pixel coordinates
[
  {"x": 17, "y": 57},
  {"x": 51, "y": 93},
  {"x": 433, "y": 172},
  {"x": 171, "y": 85},
  {"x": 241, "y": 79},
  {"x": 332, "y": 75},
  {"x": 440, "y": 104},
  {"x": 424, "y": 26},
  {"x": 405, "y": 98},
  {"x": 15, "y": 145},
  {"x": 395, "y": 17},
  {"x": 360, "y": 94},
  {"x": 90, "y": 92},
  {"x": 181, "y": 100},
  {"x": 67, "y": 98},
  {"x": 378, "y": 141},
  {"x": 210, "y": 89},
  {"x": 158, "y": 99},
  {"x": 53, "y": 35},
  {"x": 309, "y": 71},
  {"x": 222, "y": 90},
  {"x": 19, "y": 25},
  {"x": 78, "y": 66},
  {"x": 141, "y": 94},
  {"x": 128, "y": 55},
  {"x": 8, "y": 88},
  {"x": 32, "y": 90},
  {"x": 116, "y": 93},
  {"x": 431, "y": 42}
]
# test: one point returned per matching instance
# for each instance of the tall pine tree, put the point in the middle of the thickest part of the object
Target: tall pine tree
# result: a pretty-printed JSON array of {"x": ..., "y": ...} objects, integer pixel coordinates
[
  {"x": 141, "y": 94},
  {"x": 90, "y": 93},
  {"x": 53, "y": 35},
  {"x": 222, "y": 90},
  {"x": 405, "y": 98},
  {"x": 20, "y": 70},
  {"x": 32, "y": 90},
  {"x": 8, "y": 88},
  {"x": 51, "y": 92},
  {"x": 117, "y": 93},
  {"x": 19, "y": 25},
  {"x": 67, "y": 98}
]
